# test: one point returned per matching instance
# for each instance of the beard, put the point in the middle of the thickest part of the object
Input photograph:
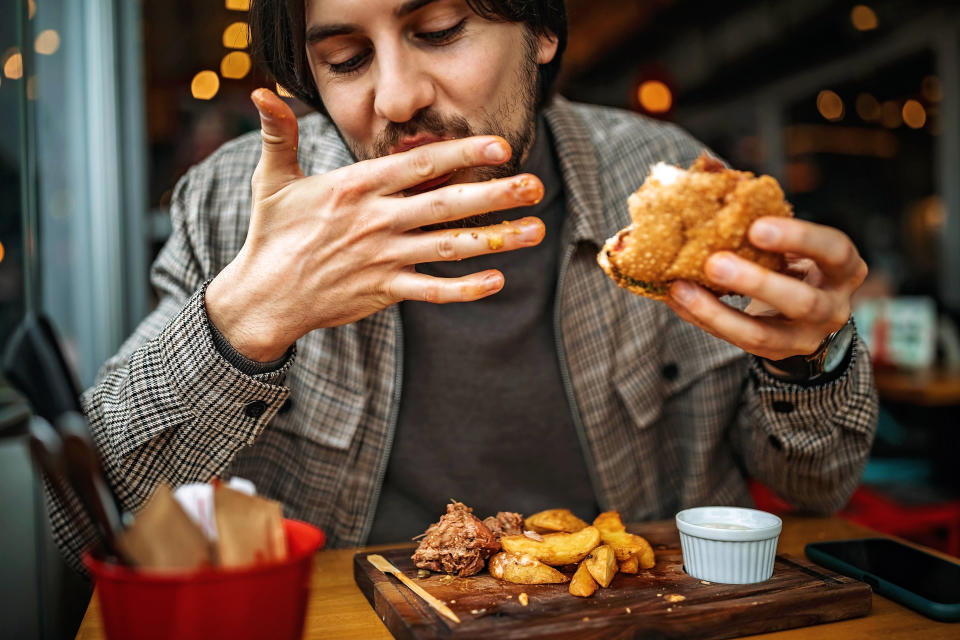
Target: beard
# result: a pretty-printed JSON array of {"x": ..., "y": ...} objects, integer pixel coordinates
[{"x": 490, "y": 122}]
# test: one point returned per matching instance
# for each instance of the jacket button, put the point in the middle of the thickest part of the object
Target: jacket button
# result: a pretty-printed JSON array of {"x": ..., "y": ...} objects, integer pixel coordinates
[
  {"x": 670, "y": 371},
  {"x": 255, "y": 409},
  {"x": 782, "y": 406}
]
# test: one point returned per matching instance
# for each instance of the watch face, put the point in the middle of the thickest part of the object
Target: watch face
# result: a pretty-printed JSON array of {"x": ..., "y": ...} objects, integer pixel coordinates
[{"x": 837, "y": 348}]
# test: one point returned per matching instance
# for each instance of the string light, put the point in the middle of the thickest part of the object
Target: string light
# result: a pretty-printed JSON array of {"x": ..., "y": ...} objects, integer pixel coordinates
[
  {"x": 47, "y": 42},
  {"x": 238, "y": 5},
  {"x": 830, "y": 105},
  {"x": 234, "y": 65},
  {"x": 868, "y": 108},
  {"x": 205, "y": 85},
  {"x": 863, "y": 18},
  {"x": 236, "y": 36},
  {"x": 914, "y": 115},
  {"x": 283, "y": 93},
  {"x": 932, "y": 89},
  {"x": 13, "y": 63},
  {"x": 655, "y": 96},
  {"x": 2, "y": 252},
  {"x": 890, "y": 114}
]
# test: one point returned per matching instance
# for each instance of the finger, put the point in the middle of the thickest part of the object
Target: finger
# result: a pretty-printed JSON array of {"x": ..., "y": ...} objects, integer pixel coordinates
[
  {"x": 410, "y": 285},
  {"x": 766, "y": 337},
  {"x": 400, "y": 171},
  {"x": 831, "y": 249},
  {"x": 279, "y": 132},
  {"x": 456, "y": 244},
  {"x": 792, "y": 297},
  {"x": 463, "y": 200}
]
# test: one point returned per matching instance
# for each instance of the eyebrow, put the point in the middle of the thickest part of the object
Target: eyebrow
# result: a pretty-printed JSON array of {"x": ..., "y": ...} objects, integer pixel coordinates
[{"x": 318, "y": 33}]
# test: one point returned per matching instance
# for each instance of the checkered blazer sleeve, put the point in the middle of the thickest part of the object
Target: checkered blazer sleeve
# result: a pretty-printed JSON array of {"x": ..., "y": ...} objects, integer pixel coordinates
[
  {"x": 168, "y": 407},
  {"x": 809, "y": 444}
]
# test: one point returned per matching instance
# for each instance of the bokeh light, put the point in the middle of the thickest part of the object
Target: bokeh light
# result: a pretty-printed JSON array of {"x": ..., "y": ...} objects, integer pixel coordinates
[
  {"x": 236, "y": 36},
  {"x": 2, "y": 252},
  {"x": 914, "y": 115},
  {"x": 655, "y": 96},
  {"x": 205, "y": 85},
  {"x": 12, "y": 63},
  {"x": 47, "y": 42},
  {"x": 31, "y": 8},
  {"x": 868, "y": 108},
  {"x": 234, "y": 65},
  {"x": 238, "y": 5},
  {"x": 932, "y": 89},
  {"x": 863, "y": 18},
  {"x": 283, "y": 93},
  {"x": 32, "y": 88},
  {"x": 830, "y": 105},
  {"x": 890, "y": 114}
]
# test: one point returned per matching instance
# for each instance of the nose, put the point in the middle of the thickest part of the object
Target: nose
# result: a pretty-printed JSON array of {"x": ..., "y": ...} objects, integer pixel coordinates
[{"x": 403, "y": 86}]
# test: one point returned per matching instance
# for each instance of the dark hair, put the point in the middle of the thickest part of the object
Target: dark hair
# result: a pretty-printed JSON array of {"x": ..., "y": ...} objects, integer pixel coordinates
[{"x": 278, "y": 29}]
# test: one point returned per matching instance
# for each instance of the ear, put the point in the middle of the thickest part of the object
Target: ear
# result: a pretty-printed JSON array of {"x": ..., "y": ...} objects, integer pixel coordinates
[{"x": 546, "y": 47}]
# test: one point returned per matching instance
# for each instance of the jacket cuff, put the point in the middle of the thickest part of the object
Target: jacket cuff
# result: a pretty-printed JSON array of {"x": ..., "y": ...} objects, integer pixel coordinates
[
  {"x": 214, "y": 390},
  {"x": 810, "y": 410}
]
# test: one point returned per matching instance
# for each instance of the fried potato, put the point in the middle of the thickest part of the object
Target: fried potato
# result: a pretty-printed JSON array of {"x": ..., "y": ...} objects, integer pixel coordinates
[
  {"x": 554, "y": 520},
  {"x": 523, "y": 569},
  {"x": 630, "y": 565},
  {"x": 625, "y": 545},
  {"x": 583, "y": 584},
  {"x": 555, "y": 549},
  {"x": 602, "y": 564}
]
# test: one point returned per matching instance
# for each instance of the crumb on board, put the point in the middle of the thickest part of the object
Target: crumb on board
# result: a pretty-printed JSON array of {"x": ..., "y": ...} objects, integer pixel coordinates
[
  {"x": 509, "y": 596},
  {"x": 628, "y": 610},
  {"x": 705, "y": 582},
  {"x": 659, "y": 595},
  {"x": 675, "y": 597},
  {"x": 477, "y": 611},
  {"x": 524, "y": 600},
  {"x": 423, "y": 573},
  {"x": 585, "y": 619},
  {"x": 669, "y": 609},
  {"x": 453, "y": 602}
]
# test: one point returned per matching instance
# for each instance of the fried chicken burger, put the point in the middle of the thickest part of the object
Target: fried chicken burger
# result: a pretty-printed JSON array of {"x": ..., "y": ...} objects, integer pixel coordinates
[{"x": 680, "y": 217}]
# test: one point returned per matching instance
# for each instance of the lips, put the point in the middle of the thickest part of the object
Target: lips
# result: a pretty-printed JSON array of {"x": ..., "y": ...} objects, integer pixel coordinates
[{"x": 405, "y": 144}]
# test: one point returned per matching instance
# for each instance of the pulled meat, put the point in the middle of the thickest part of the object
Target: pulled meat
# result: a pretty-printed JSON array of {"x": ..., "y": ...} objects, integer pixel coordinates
[
  {"x": 505, "y": 523},
  {"x": 459, "y": 543}
]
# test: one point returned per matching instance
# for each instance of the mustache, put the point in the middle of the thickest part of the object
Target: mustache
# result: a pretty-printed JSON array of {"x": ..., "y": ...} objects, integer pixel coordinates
[{"x": 427, "y": 121}]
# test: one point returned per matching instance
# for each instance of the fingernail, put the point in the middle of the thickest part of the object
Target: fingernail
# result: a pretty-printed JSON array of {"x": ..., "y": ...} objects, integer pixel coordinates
[
  {"x": 495, "y": 152},
  {"x": 493, "y": 282},
  {"x": 722, "y": 269},
  {"x": 683, "y": 292},
  {"x": 530, "y": 233},
  {"x": 764, "y": 232},
  {"x": 529, "y": 189}
]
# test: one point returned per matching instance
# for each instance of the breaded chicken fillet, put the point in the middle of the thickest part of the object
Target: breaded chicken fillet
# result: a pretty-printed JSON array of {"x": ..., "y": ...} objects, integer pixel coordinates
[{"x": 680, "y": 217}]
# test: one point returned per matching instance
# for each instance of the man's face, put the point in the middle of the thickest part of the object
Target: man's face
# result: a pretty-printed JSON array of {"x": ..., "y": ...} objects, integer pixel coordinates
[{"x": 396, "y": 74}]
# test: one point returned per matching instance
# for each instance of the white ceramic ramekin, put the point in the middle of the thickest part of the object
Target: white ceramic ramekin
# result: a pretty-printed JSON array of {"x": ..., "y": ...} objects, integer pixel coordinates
[{"x": 741, "y": 554}]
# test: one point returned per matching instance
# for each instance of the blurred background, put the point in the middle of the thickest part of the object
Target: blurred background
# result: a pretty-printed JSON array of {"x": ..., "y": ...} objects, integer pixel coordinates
[{"x": 854, "y": 107}]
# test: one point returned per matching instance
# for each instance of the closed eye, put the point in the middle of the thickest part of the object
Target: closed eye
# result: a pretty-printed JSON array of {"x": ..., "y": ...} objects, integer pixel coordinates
[{"x": 444, "y": 35}]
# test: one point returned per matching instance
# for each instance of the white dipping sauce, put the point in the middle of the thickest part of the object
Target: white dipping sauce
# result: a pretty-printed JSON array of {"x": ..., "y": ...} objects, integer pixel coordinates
[{"x": 723, "y": 525}]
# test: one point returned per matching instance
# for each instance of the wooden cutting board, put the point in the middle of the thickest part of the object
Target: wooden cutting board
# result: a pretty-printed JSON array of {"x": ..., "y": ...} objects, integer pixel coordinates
[{"x": 799, "y": 594}]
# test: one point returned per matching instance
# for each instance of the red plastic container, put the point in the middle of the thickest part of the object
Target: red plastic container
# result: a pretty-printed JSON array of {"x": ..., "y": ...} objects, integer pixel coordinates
[{"x": 265, "y": 601}]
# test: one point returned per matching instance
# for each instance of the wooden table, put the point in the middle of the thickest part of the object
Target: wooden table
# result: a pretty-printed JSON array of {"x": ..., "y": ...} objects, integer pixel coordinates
[{"x": 338, "y": 610}]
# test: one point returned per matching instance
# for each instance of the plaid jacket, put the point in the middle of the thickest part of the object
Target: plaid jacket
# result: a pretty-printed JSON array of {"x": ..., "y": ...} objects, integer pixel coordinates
[{"x": 668, "y": 416}]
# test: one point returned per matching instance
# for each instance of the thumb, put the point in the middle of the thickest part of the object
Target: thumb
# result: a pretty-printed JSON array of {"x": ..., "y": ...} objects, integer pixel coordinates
[{"x": 278, "y": 129}]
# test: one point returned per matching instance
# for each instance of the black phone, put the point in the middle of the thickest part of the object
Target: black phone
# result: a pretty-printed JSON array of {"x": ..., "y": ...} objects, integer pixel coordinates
[{"x": 914, "y": 578}]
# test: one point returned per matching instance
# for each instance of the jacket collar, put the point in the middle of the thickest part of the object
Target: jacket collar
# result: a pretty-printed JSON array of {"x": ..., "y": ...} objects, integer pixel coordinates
[{"x": 577, "y": 159}]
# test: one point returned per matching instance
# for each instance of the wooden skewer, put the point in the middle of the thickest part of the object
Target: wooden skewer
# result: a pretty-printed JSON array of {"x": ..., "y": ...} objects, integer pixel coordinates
[{"x": 386, "y": 566}]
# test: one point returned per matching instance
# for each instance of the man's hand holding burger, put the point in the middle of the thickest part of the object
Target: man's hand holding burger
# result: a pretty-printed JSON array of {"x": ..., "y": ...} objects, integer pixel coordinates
[{"x": 331, "y": 249}]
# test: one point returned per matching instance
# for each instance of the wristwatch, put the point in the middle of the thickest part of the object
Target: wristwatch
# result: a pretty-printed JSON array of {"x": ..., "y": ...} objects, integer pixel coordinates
[{"x": 825, "y": 360}]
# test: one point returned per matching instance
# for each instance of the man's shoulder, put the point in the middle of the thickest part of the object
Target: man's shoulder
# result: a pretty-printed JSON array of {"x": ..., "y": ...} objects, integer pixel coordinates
[{"x": 619, "y": 135}]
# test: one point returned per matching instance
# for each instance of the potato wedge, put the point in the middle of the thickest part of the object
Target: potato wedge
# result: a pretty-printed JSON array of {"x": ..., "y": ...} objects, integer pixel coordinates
[
  {"x": 555, "y": 549},
  {"x": 602, "y": 564},
  {"x": 583, "y": 584},
  {"x": 523, "y": 569},
  {"x": 553, "y": 521},
  {"x": 625, "y": 545},
  {"x": 630, "y": 565}
]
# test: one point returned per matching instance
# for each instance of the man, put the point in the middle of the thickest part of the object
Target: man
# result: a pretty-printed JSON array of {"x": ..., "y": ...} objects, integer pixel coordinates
[{"x": 548, "y": 386}]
